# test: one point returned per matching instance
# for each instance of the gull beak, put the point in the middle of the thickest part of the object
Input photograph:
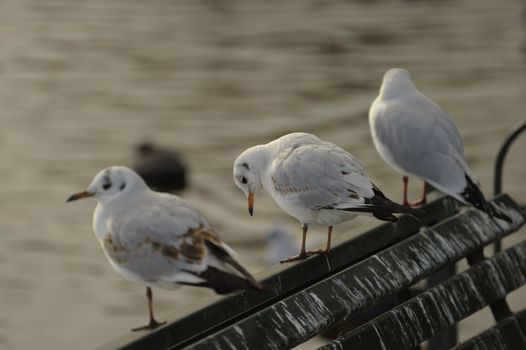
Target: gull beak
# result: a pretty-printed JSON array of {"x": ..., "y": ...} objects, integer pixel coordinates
[
  {"x": 80, "y": 195},
  {"x": 251, "y": 203}
]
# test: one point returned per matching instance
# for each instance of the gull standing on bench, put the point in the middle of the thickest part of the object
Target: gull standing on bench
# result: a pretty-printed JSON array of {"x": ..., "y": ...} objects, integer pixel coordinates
[
  {"x": 159, "y": 239},
  {"x": 416, "y": 137},
  {"x": 314, "y": 181}
]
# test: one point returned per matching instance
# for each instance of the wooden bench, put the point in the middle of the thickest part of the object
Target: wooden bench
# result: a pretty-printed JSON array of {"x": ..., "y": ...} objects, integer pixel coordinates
[{"x": 322, "y": 292}]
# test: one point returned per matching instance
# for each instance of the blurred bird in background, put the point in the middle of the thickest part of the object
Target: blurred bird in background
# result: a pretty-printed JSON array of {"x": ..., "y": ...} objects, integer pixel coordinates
[{"x": 162, "y": 169}]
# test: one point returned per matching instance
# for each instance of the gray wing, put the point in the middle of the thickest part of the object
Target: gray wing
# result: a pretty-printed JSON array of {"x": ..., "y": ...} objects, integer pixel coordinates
[
  {"x": 167, "y": 241},
  {"x": 320, "y": 175},
  {"x": 422, "y": 140},
  {"x": 155, "y": 243}
]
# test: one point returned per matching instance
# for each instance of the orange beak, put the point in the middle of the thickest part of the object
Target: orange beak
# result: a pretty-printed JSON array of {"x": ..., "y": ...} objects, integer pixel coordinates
[
  {"x": 251, "y": 203},
  {"x": 80, "y": 195}
]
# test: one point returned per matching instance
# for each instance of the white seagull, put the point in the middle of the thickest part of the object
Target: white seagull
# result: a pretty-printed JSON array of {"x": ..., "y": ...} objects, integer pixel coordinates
[
  {"x": 416, "y": 137},
  {"x": 314, "y": 181},
  {"x": 158, "y": 239}
]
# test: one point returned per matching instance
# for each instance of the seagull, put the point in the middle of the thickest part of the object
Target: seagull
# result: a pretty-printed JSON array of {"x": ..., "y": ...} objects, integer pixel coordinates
[
  {"x": 158, "y": 239},
  {"x": 416, "y": 137},
  {"x": 314, "y": 181}
]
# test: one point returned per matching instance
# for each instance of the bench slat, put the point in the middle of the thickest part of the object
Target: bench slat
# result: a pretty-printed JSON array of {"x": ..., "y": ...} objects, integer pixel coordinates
[
  {"x": 442, "y": 306},
  {"x": 212, "y": 314},
  {"x": 521, "y": 320},
  {"x": 506, "y": 335},
  {"x": 314, "y": 309}
]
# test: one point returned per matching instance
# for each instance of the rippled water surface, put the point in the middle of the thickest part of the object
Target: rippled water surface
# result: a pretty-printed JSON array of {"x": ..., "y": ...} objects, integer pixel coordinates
[{"x": 81, "y": 82}]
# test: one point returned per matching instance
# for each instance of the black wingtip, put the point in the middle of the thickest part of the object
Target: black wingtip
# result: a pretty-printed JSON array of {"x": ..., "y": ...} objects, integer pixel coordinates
[
  {"x": 416, "y": 213},
  {"x": 495, "y": 212},
  {"x": 383, "y": 209},
  {"x": 223, "y": 282},
  {"x": 474, "y": 196},
  {"x": 384, "y": 216}
]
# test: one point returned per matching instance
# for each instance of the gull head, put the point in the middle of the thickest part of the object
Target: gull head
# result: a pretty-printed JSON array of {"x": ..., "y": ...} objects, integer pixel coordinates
[
  {"x": 396, "y": 82},
  {"x": 247, "y": 170},
  {"x": 111, "y": 183}
]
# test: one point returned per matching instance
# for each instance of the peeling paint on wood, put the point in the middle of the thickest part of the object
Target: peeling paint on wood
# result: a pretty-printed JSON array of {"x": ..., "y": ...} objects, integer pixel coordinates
[
  {"x": 327, "y": 303},
  {"x": 442, "y": 306},
  {"x": 506, "y": 335},
  {"x": 323, "y": 291}
]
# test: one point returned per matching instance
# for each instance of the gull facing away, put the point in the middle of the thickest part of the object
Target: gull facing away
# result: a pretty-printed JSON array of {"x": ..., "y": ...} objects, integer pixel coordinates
[
  {"x": 416, "y": 137},
  {"x": 314, "y": 181},
  {"x": 158, "y": 239}
]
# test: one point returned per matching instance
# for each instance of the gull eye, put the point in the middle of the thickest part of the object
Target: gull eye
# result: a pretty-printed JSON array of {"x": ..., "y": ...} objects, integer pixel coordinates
[
  {"x": 106, "y": 186},
  {"x": 244, "y": 179}
]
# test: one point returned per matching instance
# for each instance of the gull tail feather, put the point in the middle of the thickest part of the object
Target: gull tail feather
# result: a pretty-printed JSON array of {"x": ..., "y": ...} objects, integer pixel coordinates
[
  {"x": 384, "y": 205},
  {"x": 222, "y": 282},
  {"x": 473, "y": 195},
  {"x": 222, "y": 253},
  {"x": 383, "y": 208}
]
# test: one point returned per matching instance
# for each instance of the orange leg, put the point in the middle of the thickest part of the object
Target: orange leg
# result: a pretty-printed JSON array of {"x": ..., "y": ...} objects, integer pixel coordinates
[
  {"x": 423, "y": 199},
  {"x": 329, "y": 237},
  {"x": 328, "y": 246},
  {"x": 303, "y": 253},
  {"x": 153, "y": 323},
  {"x": 406, "y": 182}
]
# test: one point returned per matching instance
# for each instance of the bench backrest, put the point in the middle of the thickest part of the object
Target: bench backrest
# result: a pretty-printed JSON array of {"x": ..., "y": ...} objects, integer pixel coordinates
[{"x": 322, "y": 292}]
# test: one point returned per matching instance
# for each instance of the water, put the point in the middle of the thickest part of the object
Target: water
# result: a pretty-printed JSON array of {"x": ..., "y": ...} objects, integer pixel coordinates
[{"x": 82, "y": 82}]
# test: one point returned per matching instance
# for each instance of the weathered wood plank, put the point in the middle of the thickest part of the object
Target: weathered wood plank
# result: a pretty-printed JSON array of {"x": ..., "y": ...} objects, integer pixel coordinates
[
  {"x": 284, "y": 280},
  {"x": 442, "y": 306},
  {"x": 521, "y": 320},
  {"x": 506, "y": 335},
  {"x": 448, "y": 337},
  {"x": 314, "y": 309}
]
